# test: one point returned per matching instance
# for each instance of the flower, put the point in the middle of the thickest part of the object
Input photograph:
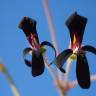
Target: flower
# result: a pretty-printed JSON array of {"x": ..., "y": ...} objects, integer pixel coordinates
[
  {"x": 76, "y": 25},
  {"x": 37, "y": 49}
]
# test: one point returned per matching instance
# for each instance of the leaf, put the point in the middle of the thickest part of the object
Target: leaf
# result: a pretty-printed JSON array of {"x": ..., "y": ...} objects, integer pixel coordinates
[
  {"x": 38, "y": 65},
  {"x": 82, "y": 71},
  {"x": 62, "y": 57},
  {"x": 25, "y": 52},
  {"x": 89, "y": 48}
]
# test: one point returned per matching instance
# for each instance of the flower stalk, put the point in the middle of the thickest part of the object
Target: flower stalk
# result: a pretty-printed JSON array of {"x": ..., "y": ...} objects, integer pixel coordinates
[
  {"x": 58, "y": 81},
  {"x": 9, "y": 78},
  {"x": 52, "y": 29}
]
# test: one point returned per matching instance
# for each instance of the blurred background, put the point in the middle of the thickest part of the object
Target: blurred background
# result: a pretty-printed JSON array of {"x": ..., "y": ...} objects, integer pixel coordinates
[{"x": 13, "y": 41}]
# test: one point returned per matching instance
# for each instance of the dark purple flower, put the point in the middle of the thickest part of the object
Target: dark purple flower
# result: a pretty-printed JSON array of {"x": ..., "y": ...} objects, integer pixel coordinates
[
  {"x": 28, "y": 26},
  {"x": 76, "y": 25}
]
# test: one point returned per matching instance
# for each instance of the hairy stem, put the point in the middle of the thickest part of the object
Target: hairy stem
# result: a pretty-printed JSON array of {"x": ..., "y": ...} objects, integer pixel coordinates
[
  {"x": 12, "y": 84},
  {"x": 66, "y": 76},
  {"x": 58, "y": 80},
  {"x": 52, "y": 29}
]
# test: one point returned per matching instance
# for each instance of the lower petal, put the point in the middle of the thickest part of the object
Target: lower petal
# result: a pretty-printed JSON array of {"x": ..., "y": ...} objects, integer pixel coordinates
[
  {"x": 37, "y": 63},
  {"x": 82, "y": 71}
]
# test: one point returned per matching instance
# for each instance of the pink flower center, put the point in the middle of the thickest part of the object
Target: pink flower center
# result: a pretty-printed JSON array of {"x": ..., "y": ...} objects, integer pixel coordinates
[{"x": 32, "y": 40}]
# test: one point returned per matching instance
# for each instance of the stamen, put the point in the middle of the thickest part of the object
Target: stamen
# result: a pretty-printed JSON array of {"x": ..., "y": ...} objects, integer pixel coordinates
[
  {"x": 74, "y": 40},
  {"x": 75, "y": 50}
]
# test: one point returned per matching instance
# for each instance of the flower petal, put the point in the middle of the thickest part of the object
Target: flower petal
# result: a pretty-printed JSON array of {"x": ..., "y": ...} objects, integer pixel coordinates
[
  {"x": 89, "y": 48},
  {"x": 62, "y": 57},
  {"x": 76, "y": 25},
  {"x": 37, "y": 63},
  {"x": 82, "y": 71},
  {"x": 25, "y": 52},
  {"x": 46, "y": 43},
  {"x": 28, "y": 25}
]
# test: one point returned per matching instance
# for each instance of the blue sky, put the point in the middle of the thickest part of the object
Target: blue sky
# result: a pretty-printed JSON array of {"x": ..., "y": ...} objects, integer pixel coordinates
[{"x": 13, "y": 41}]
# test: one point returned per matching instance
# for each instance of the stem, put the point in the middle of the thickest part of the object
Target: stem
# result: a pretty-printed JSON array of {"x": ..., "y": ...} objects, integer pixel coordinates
[
  {"x": 52, "y": 29},
  {"x": 51, "y": 24},
  {"x": 49, "y": 68},
  {"x": 12, "y": 84},
  {"x": 66, "y": 76},
  {"x": 93, "y": 77},
  {"x": 68, "y": 67},
  {"x": 53, "y": 75},
  {"x": 59, "y": 80}
]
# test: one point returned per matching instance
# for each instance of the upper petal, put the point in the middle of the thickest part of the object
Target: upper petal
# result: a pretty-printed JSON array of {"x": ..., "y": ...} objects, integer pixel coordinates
[
  {"x": 76, "y": 25},
  {"x": 82, "y": 71},
  {"x": 28, "y": 25}
]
